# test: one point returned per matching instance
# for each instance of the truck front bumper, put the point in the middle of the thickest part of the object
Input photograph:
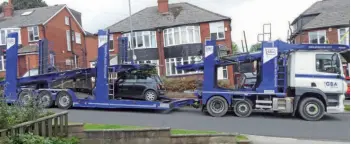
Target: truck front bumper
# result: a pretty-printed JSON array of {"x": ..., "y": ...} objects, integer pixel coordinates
[{"x": 340, "y": 108}]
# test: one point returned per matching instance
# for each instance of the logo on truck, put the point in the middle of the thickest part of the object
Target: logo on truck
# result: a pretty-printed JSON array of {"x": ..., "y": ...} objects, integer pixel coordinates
[{"x": 330, "y": 84}]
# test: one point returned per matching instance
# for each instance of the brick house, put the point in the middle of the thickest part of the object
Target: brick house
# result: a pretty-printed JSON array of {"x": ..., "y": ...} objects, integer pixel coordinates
[
  {"x": 173, "y": 34},
  {"x": 326, "y": 21},
  {"x": 59, "y": 24}
]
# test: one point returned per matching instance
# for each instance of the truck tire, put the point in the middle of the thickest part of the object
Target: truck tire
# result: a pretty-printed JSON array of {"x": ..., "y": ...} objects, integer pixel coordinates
[
  {"x": 25, "y": 97},
  {"x": 45, "y": 98},
  {"x": 311, "y": 109},
  {"x": 217, "y": 106},
  {"x": 242, "y": 108},
  {"x": 64, "y": 100}
]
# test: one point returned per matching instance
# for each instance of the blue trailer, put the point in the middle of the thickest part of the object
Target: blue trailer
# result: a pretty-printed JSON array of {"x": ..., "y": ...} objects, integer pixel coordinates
[{"x": 67, "y": 98}]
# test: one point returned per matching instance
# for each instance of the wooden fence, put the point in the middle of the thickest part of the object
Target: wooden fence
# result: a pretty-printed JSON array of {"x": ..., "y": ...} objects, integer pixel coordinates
[{"x": 55, "y": 125}]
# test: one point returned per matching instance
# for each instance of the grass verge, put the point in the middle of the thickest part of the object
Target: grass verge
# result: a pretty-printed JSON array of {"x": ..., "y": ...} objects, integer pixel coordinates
[
  {"x": 89, "y": 126},
  {"x": 241, "y": 138},
  {"x": 347, "y": 107}
]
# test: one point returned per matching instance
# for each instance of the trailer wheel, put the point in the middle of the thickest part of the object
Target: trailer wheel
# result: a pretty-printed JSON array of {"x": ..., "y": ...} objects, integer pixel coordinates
[
  {"x": 25, "y": 97},
  {"x": 217, "y": 106},
  {"x": 311, "y": 109},
  {"x": 64, "y": 100},
  {"x": 242, "y": 108},
  {"x": 45, "y": 98}
]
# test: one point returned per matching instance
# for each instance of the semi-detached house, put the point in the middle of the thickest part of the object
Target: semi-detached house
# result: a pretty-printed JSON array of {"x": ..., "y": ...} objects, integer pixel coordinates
[
  {"x": 173, "y": 34},
  {"x": 326, "y": 21},
  {"x": 59, "y": 24}
]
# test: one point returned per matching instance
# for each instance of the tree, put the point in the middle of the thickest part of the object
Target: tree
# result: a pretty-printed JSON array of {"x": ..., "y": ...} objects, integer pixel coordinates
[
  {"x": 25, "y": 4},
  {"x": 235, "y": 48},
  {"x": 255, "y": 47}
]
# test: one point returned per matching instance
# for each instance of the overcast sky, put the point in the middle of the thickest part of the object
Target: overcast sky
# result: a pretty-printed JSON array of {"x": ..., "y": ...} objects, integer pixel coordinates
[{"x": 248, "y": 15}]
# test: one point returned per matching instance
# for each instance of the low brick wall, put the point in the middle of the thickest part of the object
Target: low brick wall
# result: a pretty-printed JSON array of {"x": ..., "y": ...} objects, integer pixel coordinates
[{"x": 144, "y": 136}]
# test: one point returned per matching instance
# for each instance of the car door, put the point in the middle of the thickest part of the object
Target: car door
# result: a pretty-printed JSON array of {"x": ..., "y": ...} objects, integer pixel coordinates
[
  {"x": 126, "y": 88},
  {"x": 140, "y": 86}
]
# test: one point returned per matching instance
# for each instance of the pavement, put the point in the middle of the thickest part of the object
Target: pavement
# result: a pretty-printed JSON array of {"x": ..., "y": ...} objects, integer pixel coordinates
[
  {"x": 334, "y": 127},
  {"x": 279, "y": 140}
]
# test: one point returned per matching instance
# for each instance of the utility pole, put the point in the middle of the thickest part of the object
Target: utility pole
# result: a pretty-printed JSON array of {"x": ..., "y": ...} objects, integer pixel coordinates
[{"x": 131, "y": 32}]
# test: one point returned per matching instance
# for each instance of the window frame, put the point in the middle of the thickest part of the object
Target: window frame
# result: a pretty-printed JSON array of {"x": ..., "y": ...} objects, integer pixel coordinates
[
  {"x": 318, "y": 33},
  {"x": 217, "y": 27},
  {"x": 111, "y": 45},
  {"x": 151, "y": 62},
  {"x": 66, "y": 20},
  {"x": 78, "y": 38},
  {"x": 5, "y": 30},
  {"x": 151, "y": 34},
  {"x": 68, "y": 40},
  {"x": 31, "y": 29},
  {"x": 316, "y": 65},
  {"x": 3, "y": 63},
  {"x": 196, "y": 37},
  {"x": 347, "y": 37},
  {"x": 170, "y": 61}
]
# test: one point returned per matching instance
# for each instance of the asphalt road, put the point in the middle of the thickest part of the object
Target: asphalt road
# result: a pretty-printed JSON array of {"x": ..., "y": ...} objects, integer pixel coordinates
[{"x": 331, "y": 127}]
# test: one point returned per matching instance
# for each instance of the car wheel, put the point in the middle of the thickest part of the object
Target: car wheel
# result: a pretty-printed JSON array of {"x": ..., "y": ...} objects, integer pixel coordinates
[
  {"x": 45, "y": 98},
  {"x": 311, "y": 109},
  {"x": 242, "y": 108},
  {"x": 150, "y": 95},
  {"x": 217, "y": 106},
  {"x": 64, "y": 100}
]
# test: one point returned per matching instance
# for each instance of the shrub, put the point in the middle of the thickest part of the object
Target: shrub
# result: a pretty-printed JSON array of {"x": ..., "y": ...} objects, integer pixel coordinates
[
  {"x": 35, "y": 139},
  {"x": 16, "y": 114},
  {"x": 189, "y": 83}
]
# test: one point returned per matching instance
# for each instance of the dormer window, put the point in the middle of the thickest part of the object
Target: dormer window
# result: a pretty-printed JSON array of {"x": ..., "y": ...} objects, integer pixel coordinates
[{"x": 27, "y": 13}]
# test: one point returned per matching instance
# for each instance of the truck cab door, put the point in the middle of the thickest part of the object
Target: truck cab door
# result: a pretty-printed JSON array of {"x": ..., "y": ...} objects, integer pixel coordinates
[{"x": 331, "y": 79}]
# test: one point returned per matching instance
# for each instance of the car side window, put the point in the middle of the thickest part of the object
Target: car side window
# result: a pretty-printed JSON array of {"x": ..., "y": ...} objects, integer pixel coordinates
[
  {"x": 327, "y": 63},
  {"x": 130, "y": 78}
]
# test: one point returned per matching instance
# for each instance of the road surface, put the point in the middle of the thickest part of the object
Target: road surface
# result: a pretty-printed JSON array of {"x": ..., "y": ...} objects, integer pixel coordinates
[{"x": 331, "y": 127}]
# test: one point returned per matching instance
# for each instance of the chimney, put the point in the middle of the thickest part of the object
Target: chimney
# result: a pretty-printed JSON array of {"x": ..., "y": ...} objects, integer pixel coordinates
[
  {"x": 162, "y": 6},
  {"x": 8, "y": 9}
]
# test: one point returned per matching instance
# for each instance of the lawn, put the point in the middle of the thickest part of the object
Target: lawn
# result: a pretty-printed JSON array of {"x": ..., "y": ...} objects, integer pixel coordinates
[
  {"x": 89, "y": 126},
  {"x": 347, "y": 108}
]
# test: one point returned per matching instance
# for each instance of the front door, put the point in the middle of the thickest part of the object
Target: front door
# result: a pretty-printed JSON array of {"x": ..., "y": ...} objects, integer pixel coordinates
[{"x": 331, "y": 80}]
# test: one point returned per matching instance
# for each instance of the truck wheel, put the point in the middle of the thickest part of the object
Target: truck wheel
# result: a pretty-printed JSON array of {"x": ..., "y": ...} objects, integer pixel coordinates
[
  {"x": 217, "y": 106},
  {"x": 150, "y": 95},
  {"x": 25, "y": 97},
  {"x": 242, "y": 108},
  {"x": 311, "y": 109},
  {"x": 45, "y": 98},
  {"x": 64, "y": 100}
]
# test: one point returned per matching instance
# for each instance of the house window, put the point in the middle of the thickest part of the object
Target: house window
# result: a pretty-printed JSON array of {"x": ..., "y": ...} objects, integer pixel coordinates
[
  {"x": 111, "y": 42},
  {"x": 143, "y": 39},
  {"x": 153, "y": 62},
  {"x": 181, "y": 35},
  {"x": 344, "y": 36},
  {"x": 327, "y": 63},
  {"x": 92, "y": 64},
  {"x": 68, "y": 40},
  {"x": 33, "y": 33},
  {"x": 217, "y": 30},
  {"x": 73, "y": 35},
  {"x": 222, "y": 72},
  {"x": 5, "y": 32},
  {"x": 2, "y": 63},
  {"x": 52, "y": 59},
  {"x": 78, "y": 39},
  {"x": 172, "y": 63},
  {"x": 317, "y": 37},
  {"x": 66, "y": 20}
]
